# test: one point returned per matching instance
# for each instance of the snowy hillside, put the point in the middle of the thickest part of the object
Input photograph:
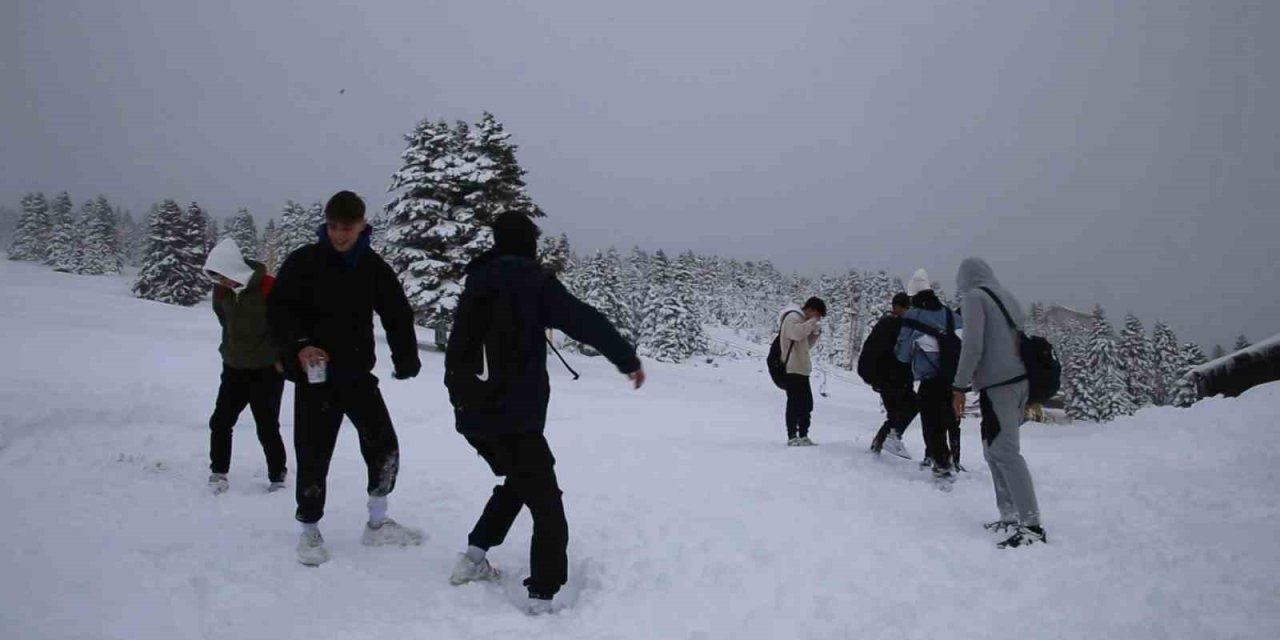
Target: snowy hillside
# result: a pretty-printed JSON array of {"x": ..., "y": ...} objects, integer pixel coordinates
[{"x": 689, "y": 518}]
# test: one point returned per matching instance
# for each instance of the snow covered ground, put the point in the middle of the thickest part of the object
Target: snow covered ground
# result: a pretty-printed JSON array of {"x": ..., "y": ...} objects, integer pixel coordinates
[{"x": 689, "y": 518}]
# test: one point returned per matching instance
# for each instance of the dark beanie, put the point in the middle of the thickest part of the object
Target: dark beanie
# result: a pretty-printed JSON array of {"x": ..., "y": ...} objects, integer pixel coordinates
[
  {"x": 901, "y": 299},
  {"x": 817, "y": 305},
  {"x": 515, "y": 234}
]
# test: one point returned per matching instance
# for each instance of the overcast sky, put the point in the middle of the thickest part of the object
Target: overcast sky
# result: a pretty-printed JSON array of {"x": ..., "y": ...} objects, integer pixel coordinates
[{"x": 1115, "y": 152}]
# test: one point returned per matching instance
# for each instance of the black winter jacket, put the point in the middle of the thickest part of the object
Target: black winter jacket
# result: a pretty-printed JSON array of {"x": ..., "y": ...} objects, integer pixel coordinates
[
  {"x": 538, "y": 302},
  {"x": 877, "y": 365},
  {"x": 327, "y": 300}
]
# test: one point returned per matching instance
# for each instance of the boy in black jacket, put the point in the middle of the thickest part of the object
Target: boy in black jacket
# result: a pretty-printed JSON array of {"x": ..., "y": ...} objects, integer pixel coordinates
[
  {"x": 496, "y": 373},
  {"x": 880, "y": 368},
  {"x": 321, "y": 311}
]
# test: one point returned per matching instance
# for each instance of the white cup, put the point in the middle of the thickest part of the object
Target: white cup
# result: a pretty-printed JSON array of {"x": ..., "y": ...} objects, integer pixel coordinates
[{"x": 317, "y": 371}]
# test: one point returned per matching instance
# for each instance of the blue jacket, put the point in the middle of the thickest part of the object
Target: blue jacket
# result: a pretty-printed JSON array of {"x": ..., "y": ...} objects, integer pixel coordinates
[{"x": 927, "y": 310}]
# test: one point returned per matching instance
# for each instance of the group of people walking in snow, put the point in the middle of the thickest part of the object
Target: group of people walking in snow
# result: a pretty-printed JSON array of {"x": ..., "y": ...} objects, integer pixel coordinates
[
  {"x": 949, "y": 353},
  {"x": 312, "y": 324}
]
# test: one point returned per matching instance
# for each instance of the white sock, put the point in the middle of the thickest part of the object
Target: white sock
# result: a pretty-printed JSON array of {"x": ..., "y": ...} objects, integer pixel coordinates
[
  {"x": 311, "y": 526},
  {"x": 377, "y": 511},
  {"x": 475, "y": 554}
]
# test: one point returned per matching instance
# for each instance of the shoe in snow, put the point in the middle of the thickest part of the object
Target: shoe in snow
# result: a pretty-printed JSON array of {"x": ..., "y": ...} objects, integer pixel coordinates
[
  {"x": 466, "y": 570},
  {"x": 391, "y": 532},
  {"x": 311, "y": 549},
  {"x": 926, "y": 464},
  {"x": 804, "y": 441},
  {"x": 275, "y": 482},
  {"x": 218, "y": 483},
  {"x": 893, "y": 444},
  {"x": 793, "y": 442},
  {"x": 1025, "y": 537},
  {"x": 1000, "y": 526},
  {"x": 943, "y": 478},
  {"x": 538, "y": 606}
]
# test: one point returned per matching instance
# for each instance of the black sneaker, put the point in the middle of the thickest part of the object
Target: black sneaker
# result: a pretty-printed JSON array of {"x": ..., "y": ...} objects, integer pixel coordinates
[{"x": 1025, "y": 537}]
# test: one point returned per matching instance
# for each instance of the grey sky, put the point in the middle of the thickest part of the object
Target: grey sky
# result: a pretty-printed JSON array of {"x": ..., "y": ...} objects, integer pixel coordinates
[{"x": 1124, "y": 153}]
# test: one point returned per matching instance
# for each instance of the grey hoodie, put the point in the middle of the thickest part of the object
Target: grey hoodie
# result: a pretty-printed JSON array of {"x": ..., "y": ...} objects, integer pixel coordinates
[{"x": 990, "y": 352}]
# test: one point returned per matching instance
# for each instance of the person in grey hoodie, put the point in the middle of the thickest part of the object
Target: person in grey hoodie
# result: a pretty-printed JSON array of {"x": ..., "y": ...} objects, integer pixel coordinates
[{"x": 990, "y": 361}]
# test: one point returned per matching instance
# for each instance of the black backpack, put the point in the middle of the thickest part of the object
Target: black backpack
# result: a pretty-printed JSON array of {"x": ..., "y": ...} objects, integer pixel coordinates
[
  {"x": 776, "y": 363},
  {"x": 948, "y": 344},
  {"x": 1044, "y": 372},
  {"x": 497, "y": 351}
]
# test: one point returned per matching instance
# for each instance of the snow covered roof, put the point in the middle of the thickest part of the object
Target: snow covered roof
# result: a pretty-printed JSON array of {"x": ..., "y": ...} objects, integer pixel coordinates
[{"x": 1259, "y": 350}]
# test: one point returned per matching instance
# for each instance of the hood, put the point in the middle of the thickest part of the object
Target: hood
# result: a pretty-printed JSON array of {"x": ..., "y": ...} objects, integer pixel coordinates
[
  {"x": 499, "y": 267},
  {"x": 362, "y": 243},
  {"x": 974, "y": 273},
  {"x": 919, "y": 282},
  {"x": 226, "y": 260}
]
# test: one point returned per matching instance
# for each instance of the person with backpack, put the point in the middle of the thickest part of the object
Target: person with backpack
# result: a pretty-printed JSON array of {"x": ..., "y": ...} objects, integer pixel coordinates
[
  {"x": 798, "y": 333},
  {"x": 879, "y": 367},
  {"x": 496, "y": 375},
  {"x": 928, "y": 342},
  {"x": 321, "y": 311},
  {"x": 250, "y": 365},
  {"x": 992, "y": 361}
]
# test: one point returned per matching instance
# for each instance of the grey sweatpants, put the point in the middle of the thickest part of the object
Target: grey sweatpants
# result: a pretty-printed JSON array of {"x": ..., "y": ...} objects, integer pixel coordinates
[{"x": 1002, "y": 416}]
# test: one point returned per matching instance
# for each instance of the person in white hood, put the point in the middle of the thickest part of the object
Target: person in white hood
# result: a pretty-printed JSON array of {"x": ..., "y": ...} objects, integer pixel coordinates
[
  {"x": 250, "y": 363},
  {"x": 800, "y": 331}
]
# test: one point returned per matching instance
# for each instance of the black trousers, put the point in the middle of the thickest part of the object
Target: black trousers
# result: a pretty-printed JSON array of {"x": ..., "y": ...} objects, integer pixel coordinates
[
  {"x": 939, "y": 423},
  {"x": 526, "y": 462},
  {"x": 799, "y": 405},
  {"x": 260, "y": 390},
  {"x": 900, "y": 409},
  {"x": 318, "y": 411}
]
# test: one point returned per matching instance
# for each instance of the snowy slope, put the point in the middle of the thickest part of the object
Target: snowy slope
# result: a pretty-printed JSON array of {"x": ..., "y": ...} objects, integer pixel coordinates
[{"x": 689, "y": 518}]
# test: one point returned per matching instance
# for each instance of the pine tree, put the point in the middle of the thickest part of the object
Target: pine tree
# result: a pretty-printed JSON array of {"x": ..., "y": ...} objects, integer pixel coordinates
[
  {"x": 1241, "y": 343},
  {"x": 297, "y": 229},
  {"x": 553, "y": 253},
  {"x": 599, "y": 284},
  {"x": 452, "y": 184},
  {"x": 99, "y": 250},
  {"x": 171, "y": 271},
  {"x": 1168, "y": 364},
  {"x": 1219, "y": 351},
  {"x": 31, "y": 238},
  {"x": 1106, "y": 396},
  {"x": 211, "y": 233},
  {"x": 1135, "y": 358},
  {"x": 270, "y": 247},
  {"x": 1072, "y": 346},
  {"x": 206, "y": 232},
  {"x": 669, "y": 327},
  {"x": 1187, "y": 391},
  {"x": 64, "y": 240},
  {"x": 244, "y": 231}
]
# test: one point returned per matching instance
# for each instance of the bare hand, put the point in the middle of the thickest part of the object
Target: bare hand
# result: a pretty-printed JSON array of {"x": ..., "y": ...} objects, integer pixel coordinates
[
  {"x": 279, "y": 366},
  {"x": 957, "y": 403},
  {"x": 308, "y": 355},
  {"x": 637, "y": 377}
]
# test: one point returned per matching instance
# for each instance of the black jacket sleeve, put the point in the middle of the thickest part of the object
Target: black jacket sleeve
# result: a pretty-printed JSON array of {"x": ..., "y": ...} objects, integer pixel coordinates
[
  {"x": 285, "y": 312},
  {"x": 578, "y": 320},
  {"x": 217, "y": 308},
  {"x": 396, "y": 315}
]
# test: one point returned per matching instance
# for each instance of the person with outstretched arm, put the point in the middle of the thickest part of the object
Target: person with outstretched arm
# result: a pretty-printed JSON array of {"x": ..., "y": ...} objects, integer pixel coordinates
[{"x": 496, "y": 374}]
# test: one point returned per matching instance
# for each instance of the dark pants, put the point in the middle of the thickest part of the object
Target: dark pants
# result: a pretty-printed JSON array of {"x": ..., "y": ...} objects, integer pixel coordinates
[
  {"x": 260, "y": 390},
  {"x": 318, "y": 412},
  {"x": 900, "y": 409},
  {"x": 799, "y": 405},
  {"x": 526, "y": 462},
  {"x": 938, "y": 421}
]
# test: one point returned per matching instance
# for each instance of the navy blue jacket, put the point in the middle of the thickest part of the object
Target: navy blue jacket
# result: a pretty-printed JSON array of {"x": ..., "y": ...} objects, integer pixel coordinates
[{"x": 540, "y": 302}]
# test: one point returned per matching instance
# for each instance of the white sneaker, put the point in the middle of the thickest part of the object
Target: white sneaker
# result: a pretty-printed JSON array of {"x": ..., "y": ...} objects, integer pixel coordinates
[
  {"x": 276, "y": 484},
  {"x": 218, "y": 483},
  {"x": 893, "y": 444},
  {"x": 391, "y": 533},
  {"x": 465, "y": 570},
  {"x": 538, "y": 607},
  {"x": 311, "y": 549},
  {"x": 805, "y": 442},
  {"x": 794, "y": 442}
]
